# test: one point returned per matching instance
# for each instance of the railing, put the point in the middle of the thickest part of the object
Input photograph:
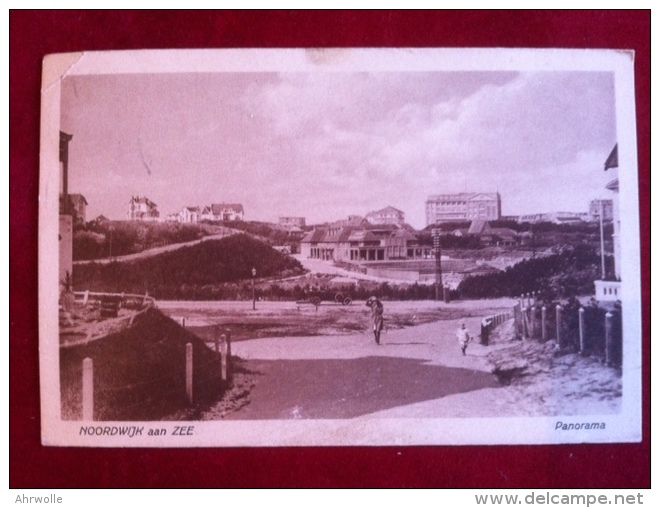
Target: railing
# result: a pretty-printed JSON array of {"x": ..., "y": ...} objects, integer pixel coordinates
[
  {"x": 88, "y": 296},
  {"x": 490, "y": 322},
  {"x": 586, "y": 329},
  {"x": 110, "y": 303},
  {"x": 608, "y": 290}
]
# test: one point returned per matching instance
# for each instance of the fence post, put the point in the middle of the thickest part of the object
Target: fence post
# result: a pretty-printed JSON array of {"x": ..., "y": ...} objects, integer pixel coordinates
[
  {"x": 609, "y": 340},
  {"x": 228, "y": 333},
  {"x": 189, "y": 372},
  {"x": 520, "y": 324},
  {"x": 559, "y": 319},
  {"x": 582, "y": 331},
  {"x": 525, "y": 323},
  {"x": 216, "y": 338},
  {"x": 183, "y": 322},
  {"x": 484, "y": 333},
  {"x": 88, "y": 389},
  {"x": 544, "y": 336},
  {"x": 86, "y": 298},
  {"x": 516, "y": 321},
  {"x": 223, "y": 357},
  {"x": 532, "y": 324}
]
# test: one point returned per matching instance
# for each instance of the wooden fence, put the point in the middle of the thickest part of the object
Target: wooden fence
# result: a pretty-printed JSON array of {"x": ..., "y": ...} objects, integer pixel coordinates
[
  {"x": 490, "y": 322},
  {"x": 589, "y": 330},
  {"x": 109, "y": 305}
]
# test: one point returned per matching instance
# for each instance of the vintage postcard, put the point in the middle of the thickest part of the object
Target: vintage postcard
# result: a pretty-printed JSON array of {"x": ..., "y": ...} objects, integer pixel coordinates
[{"x": 323, "y": 247}]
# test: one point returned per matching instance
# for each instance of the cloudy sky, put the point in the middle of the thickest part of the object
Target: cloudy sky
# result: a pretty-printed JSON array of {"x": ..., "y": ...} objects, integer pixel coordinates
[{"x": 326, "y": 145}]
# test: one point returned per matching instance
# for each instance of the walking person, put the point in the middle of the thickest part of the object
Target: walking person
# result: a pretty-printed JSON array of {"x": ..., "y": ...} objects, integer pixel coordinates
[
  {"x": 376, "y": 316},
  {"x": 463, "y": 337}
]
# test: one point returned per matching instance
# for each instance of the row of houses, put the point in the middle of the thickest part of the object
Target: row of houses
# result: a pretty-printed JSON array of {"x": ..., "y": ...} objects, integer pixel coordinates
[
  {"x": 440, "y": 208},
  {"x": 487, "y": 206},
  {"x": 596, "y": 208},
  {"x": 213, "y": 212}
]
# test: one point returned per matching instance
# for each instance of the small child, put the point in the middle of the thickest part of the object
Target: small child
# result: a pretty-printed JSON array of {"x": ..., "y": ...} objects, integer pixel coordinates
[{"x": 463, "y": 337}]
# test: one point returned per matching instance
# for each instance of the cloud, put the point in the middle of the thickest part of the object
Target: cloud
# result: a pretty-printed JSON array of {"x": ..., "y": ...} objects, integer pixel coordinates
[{"x": 329, "y": 144}]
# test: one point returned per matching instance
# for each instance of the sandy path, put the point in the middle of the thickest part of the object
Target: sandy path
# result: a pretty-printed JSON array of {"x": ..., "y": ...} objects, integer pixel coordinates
[
  {"x": 350, "y": 376},
  {"x": 416, "y": 372}
]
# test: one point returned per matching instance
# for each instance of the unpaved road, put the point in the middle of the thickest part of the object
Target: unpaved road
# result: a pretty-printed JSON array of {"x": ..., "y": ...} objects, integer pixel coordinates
[{"x": 417, "y": 371}]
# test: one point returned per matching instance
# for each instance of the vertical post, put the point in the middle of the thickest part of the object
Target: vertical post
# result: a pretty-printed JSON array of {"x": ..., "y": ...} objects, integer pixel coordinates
[
  {"x": 64, "y": 159},
  {"x": 254, "y": 297},
  {"x": 86, "y": 298},
  {"x": 223, "y": 357},
  {"x": 532, "y": 324},
  {"x": 582, "y": 331},
  {"x": 602, "y": 243},
  {"x": 438, "y": 265},
  {"x": 216, "y": 338},
  {"x": 189, "y": 372},
  {"x": 543, "y": 323},
  {"x": 609, "y": 340},
  {"x": 559, "y": 319},
  {"x": 88, "y": 390},
  {"x": 228, "y": 334}
]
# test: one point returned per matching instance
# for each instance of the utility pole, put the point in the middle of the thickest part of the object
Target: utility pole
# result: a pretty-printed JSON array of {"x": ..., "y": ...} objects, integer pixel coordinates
[
  {"x": 438, "y": 264},
  {"x": 602, "y": 243}
]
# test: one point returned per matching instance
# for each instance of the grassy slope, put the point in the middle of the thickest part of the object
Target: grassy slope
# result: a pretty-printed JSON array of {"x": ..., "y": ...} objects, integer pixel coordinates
[{"x": 183, "y": 272}]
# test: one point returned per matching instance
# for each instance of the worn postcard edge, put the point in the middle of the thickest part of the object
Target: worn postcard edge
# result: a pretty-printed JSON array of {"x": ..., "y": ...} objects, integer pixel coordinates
[{"x": 624, "y": 427}]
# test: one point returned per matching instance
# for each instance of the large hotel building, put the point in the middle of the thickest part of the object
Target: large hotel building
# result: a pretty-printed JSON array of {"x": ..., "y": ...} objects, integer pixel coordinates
[{"x": 465, "y": 206}]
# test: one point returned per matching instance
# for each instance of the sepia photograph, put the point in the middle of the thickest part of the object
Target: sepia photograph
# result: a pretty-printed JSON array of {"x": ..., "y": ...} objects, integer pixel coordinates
[{"x": 333, "y": 247}]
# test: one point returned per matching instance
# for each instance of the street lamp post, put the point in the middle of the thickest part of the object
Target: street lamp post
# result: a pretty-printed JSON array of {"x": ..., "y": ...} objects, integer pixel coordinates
[{"x": 254, "y": 299}]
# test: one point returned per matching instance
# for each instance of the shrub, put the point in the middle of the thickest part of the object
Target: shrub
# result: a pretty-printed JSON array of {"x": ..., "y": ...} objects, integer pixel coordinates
[{"x": 570, "y": 272}]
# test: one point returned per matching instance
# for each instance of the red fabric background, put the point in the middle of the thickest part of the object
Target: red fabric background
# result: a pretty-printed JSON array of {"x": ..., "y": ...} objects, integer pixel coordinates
[{"x": 36, "y": 33}]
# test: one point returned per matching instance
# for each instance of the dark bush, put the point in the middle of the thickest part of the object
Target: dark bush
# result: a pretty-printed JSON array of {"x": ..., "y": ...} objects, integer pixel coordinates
[{"x": 568, "y": 273}]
